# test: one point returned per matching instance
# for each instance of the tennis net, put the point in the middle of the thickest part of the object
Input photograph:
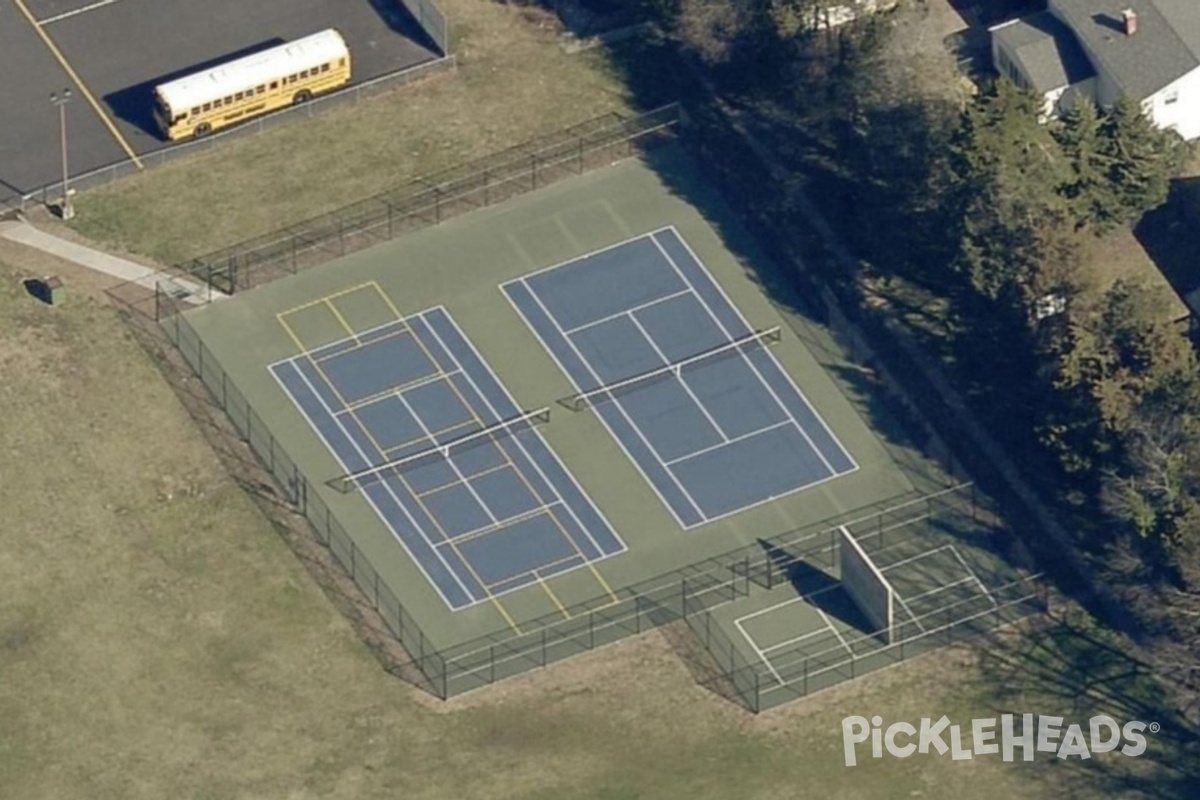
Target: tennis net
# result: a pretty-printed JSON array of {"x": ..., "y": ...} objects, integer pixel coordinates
[
  {"x": 442, "y": 451},
  {"x": 591, "y": 397}
]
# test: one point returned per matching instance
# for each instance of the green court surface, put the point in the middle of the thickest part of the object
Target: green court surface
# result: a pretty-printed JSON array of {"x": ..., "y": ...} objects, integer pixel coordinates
[
  {"x": 459, "y": 267},
  {"x": 802, "y": 631}
]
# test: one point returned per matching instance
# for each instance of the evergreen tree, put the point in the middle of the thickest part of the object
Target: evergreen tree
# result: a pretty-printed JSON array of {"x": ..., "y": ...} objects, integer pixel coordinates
[{"x": 1140, "y": 160}]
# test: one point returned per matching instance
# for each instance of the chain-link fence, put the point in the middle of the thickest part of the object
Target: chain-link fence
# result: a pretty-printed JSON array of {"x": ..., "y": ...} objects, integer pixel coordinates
[
  {"x": 686, "y": 595},
  {"x": 352, "y": 95},
  {"x": 432, "y": 199}
]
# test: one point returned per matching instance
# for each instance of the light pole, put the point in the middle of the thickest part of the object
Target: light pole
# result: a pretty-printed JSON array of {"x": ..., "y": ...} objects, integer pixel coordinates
[{"x": 61, "y": 99}]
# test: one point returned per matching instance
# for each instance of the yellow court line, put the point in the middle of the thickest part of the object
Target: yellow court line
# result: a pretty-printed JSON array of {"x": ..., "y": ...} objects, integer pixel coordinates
[
  {"x": 407, "y": 485},
  {"x": 520, "y": 474},
  {"x": 329, "y": 297},
  {"x": 472, "y": 476},
  {"x": 74, "y": 76},
  {"x": 360, "y": 345},
  {"x": 562, "y": 609},
  {"x": 300, "y": 345},
  {"x": 353, "y": 333}
]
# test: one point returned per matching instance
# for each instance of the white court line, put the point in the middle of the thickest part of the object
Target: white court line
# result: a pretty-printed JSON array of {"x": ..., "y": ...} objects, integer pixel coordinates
[
  {"x": 836, "y": 632},
  {"x": 359, "y": 344},
  {"x": 974, "y": 576},
  {"x": 746, "y": 324},
  {"x": 311, "y": 355},
  {"x": 450, "y": 460},
  {"x": 584, "y": 257},
  {"x": 783, "y": 603},
  {"x": 370, "y": 500},
  {"x": 679, "y": 377},
  {"x": 745, "y": 356},
  {"x": 958, "y": 582},
  {"x": 762, "y": 656},
  {"x": 501, "y": 524},
  {"x": 734, "y": 440},
  {"x": 801, "y": 638},
  {"x": 395, "y": 391},
  {"x": 521, "y": 445},
  {"x": 76, "y": 12},
  {"x": 620, "y": 408},
  {"x": 626, "y": 312},
  {"x": 918, "y": 557}
]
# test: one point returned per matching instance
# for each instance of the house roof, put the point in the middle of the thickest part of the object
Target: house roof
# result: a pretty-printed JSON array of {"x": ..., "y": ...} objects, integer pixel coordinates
[
  {"x": 1165, "y": 48},
  {"x": 1046, "y": 51}
]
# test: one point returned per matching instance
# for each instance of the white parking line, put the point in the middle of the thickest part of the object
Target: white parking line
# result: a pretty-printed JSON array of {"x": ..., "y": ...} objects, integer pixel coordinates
[{"x": 76, "y": 12}]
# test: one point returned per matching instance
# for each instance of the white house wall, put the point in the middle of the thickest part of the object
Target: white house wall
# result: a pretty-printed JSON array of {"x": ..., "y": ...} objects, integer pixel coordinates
[{"x": 1184, "y": 114}]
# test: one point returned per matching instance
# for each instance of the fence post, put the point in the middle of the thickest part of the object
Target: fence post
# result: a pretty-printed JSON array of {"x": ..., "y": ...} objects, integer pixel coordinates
[
  {"x": 533, "y": 169},
  {"x": 492, "y": 663},
  {"x": 389, "y": 208},
  {"x": 683, "y": 597},
  {"x": 544, "y": 656},
  {"x": 437, "y": 204},
  {"x": 637, "y": 613},
  {"x": 591, "y": 630}
]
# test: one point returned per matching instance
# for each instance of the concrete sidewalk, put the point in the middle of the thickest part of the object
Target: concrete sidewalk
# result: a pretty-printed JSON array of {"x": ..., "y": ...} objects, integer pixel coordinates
[{"x": 123, "y": 269}]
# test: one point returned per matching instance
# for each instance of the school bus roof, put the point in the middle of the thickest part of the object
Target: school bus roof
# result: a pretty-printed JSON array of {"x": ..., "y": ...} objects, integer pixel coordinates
[{"x": 253, "y": 70}]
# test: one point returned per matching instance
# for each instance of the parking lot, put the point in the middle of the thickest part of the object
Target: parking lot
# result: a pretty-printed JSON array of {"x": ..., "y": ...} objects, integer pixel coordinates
[{"x": 112, "y": 53}]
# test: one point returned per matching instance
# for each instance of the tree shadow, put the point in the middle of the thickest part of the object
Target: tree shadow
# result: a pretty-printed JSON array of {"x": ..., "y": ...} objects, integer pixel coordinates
[{"x": 1066, "y": 665}]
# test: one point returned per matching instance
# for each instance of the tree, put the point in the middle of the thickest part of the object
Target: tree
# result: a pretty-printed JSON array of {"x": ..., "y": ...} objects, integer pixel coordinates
[
  {"x": 1089, "y": 192},
  {"x": 1009, "y": 171},
  {"x": 1140, "y": 160}
]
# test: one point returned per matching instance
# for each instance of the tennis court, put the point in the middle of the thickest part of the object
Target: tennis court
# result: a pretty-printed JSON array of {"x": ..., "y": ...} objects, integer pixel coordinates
[
  {"x": 825, "y": 614},
  {"x": 423, "y": 428},
  {"x": 679, "y": 377}
]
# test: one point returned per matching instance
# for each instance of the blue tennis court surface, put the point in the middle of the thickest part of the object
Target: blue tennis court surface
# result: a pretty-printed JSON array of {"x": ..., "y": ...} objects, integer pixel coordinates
[
  {"x": 480, "y": 520},
  {"x": 718, "y": 435}
]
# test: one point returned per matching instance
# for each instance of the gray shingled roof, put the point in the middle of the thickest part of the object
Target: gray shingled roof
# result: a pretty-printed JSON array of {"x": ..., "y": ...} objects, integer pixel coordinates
[
  {"x": 1046, "y": 51},
  {"x": 1165, "y": 48}
]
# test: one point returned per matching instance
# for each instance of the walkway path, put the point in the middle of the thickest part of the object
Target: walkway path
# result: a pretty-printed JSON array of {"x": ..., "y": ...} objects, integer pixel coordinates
[{"x": 26, "y": 234}]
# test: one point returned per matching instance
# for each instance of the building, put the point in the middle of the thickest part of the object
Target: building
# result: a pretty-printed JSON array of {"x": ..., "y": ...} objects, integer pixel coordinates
[{"x": 1147, "y": 50}]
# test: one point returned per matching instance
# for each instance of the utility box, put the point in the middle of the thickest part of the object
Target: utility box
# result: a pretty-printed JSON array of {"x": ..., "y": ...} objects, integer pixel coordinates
[{"x": 50, "y": 290}]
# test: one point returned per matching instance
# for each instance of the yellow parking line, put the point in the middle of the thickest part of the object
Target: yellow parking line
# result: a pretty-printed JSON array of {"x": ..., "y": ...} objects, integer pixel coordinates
[{"x": 79, "y": 83}]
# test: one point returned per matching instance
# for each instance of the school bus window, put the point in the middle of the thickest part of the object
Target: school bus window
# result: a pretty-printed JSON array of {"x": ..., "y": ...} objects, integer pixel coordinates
[{"x": 285, "y": 71}]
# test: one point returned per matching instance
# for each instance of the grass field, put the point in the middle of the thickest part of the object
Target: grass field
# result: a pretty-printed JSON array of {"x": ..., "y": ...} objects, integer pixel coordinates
[
  {"x": 158, "y": 638},
  {"x": 514, "y": 83}
]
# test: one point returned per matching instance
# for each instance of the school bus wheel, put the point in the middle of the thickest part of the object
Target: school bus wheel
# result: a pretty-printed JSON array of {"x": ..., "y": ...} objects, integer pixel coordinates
[
  {"x": 202, "y": 130},
  {"x": 302, "y": 96}
]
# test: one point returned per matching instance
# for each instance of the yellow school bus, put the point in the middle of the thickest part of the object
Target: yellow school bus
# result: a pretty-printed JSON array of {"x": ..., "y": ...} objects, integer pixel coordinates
[{"x": 197, "y": 105}]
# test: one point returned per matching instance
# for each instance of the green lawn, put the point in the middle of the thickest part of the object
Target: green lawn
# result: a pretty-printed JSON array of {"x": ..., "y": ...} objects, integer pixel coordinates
[{"x": 159, "y": 639}]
